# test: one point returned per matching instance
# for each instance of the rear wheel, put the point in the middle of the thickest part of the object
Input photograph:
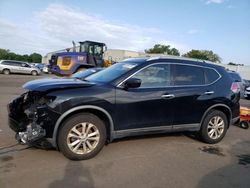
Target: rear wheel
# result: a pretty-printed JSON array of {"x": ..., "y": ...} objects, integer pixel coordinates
[
  {"x": 214, "y": 127},
  {"x": 82, "y": 136},
  {"x": 6, "y": 71},
  {"x": 34, "y": 73}
]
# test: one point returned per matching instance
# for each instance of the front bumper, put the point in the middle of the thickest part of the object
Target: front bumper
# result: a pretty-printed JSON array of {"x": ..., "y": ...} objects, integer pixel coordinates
[{"x": 29, "y": 121}]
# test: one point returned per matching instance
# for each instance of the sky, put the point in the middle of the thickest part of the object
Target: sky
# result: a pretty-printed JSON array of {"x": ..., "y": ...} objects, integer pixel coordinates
[{"x": 223, "y": 26}]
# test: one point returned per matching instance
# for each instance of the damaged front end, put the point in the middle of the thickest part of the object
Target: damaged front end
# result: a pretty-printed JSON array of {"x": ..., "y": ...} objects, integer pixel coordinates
[{"x": 29, "y": 115}]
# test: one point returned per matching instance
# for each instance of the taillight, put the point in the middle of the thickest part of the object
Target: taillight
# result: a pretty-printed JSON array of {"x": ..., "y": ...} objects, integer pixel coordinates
[{"x": 235, "y": 87}]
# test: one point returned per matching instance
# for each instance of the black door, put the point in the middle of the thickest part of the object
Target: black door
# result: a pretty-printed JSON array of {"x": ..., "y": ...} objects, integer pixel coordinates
[
  {"x": 192, "y": 92},
  {"x": 150, "y": 105}
]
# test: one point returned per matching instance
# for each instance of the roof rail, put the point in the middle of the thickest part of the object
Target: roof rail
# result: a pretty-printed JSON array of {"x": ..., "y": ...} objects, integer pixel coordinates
[{"x": 178, "y": 57}]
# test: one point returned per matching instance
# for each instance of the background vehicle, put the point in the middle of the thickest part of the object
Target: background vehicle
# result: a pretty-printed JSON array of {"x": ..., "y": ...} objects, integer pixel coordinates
[
  {"x": 47, "y": 69},
  {"x": 85, "y": 73},
  {"x": 244, "y": 117},
  {"x": 247, "y": 93},
  {"x": 11, "y": 66},
  {"x": 133, "y": 97},
  {"x": 90, "y": 55},
  {"x": 40, "y": 66}
]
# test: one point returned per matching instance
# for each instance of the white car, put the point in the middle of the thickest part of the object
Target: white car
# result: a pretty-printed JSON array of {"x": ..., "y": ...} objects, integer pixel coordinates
[
  {"x": 247, "y": 93},
  {"x": 46, "y": 69},
  {"x": 20, "y": 67}
]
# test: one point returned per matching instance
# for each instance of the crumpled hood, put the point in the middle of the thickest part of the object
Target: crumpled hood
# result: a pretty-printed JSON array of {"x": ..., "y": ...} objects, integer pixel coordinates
[{"x": 47, "y": 84}]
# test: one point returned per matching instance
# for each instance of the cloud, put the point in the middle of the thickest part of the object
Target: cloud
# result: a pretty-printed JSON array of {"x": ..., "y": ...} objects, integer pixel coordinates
[
  {"x": 214, "y": 1},
  {"x": 56, "y": 26},
  {"x": 192, "y": 31}
]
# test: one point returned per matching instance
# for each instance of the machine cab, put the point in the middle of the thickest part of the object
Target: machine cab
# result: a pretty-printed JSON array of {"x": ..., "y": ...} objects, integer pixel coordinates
[{"x": 94, "y": 52}]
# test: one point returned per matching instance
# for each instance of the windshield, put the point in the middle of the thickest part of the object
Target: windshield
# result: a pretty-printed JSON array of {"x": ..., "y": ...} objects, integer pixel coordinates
[
  {"x": 113, "y": 72},
  {"x": 84, "y": 74}
]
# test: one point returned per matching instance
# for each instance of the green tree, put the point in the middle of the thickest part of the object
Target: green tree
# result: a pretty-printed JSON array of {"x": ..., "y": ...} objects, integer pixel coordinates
[
  {"x": 4, "y": 54},
  {"x": 163, "y": 49},
  {"x": 26, "y": 57},
  {"x": 35, "y": 58},
  {"x": 231, "y": 63},
  {"x": 7, "y": 54},
  {"x": 204, "y": 54},
  {"x": 173, "y": 51}
]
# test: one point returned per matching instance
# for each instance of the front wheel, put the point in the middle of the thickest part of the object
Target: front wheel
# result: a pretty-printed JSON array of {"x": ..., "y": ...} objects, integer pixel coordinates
[
  {"x": 82, "y": 136},
  {"x": 214, "y": 127}
]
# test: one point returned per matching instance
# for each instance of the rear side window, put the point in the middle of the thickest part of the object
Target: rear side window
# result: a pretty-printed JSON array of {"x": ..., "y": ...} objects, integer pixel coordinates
[
  {"x": 14, "y": 63},
  {"x": 6, "y": 63},
  {"x": 236, "y": 77},
  {"x": 210, "y": 75},
  {"x": 185, "y": 75}
]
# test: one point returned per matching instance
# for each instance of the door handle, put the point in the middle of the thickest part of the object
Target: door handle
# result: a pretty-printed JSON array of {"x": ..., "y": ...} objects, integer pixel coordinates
[
  {"x": 209, "y": 92},
  {"x": 168, "y": 96}
]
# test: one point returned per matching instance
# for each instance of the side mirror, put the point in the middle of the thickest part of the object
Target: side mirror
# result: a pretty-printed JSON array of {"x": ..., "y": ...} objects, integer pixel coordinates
[{"x": 132, "y": 83}]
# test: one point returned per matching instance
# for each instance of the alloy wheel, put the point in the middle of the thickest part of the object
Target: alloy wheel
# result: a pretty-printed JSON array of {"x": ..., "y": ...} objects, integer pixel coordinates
[
  {"x": 216, "y": 127},
  {"x": 83, "y": 138}
]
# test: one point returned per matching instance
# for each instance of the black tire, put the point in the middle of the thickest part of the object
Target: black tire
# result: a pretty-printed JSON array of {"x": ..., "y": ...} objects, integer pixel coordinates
[
  {"x": 244, "y": 124},
  {"x": 34, "y": 73},
  {"x": 6, "y": 71},
  {"x": 204, "y": 131},
  {"x": 74, "y": 121}
]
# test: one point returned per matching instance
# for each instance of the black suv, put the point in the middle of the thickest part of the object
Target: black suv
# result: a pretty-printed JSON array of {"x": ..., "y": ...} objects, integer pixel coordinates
[{"x": 133, "y": 97}]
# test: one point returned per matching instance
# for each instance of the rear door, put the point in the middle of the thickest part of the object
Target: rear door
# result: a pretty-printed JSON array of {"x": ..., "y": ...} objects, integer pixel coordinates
[{"x": 192, "y": 95}]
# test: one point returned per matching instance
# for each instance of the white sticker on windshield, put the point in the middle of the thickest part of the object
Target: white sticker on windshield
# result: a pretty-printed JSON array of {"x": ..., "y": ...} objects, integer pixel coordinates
[{"x": 129, "y": 66}]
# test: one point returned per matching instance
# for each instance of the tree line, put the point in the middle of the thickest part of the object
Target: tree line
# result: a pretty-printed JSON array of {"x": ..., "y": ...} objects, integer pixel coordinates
[
  {"x": 32, "y": 58},
  {"x": 197, "y": 54}
]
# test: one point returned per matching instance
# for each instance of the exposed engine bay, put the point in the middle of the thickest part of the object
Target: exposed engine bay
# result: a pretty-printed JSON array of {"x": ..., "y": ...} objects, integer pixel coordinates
[{"x": 27, "y": 116}]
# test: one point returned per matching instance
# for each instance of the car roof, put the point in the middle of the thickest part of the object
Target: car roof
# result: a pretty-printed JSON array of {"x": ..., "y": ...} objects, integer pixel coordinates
[
  {"x": 14, "y": 61},
  {"x": 177, "y": 59}
]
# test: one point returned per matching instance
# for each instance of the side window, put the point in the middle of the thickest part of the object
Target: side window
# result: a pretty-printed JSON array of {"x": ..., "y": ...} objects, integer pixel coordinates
[
  {"x": 98, "y": 50},
  {"x": 210, "y": 75},
  {"x": 188, "y": 75},
  {"x": 14, "y": 63},
  {"x": 154, "y": 76}
]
